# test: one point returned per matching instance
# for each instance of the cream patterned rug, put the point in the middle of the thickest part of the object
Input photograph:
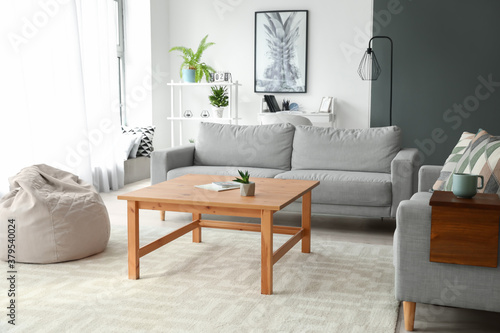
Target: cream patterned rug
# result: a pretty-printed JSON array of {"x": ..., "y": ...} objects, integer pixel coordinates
[{"x": 213, "y": 286}]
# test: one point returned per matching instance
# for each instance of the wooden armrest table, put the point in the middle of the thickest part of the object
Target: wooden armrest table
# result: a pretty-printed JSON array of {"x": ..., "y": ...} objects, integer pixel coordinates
[
  {"x": 180, "y": 195},
  {"x": 465, "y": 231}
]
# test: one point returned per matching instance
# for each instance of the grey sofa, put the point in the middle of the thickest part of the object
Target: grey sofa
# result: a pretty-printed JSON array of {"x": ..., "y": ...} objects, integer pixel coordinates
[
  {"x": 420, "y": 281},
  {"x": 362, "y": 172}
]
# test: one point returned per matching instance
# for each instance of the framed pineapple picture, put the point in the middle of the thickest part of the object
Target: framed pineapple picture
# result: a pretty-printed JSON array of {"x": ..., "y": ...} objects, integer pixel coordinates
[{"x": 281, "y": 51}]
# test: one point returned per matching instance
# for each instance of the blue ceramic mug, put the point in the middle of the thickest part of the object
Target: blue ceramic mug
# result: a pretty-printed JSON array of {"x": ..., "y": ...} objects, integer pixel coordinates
[{"x": 465, "y": 185}]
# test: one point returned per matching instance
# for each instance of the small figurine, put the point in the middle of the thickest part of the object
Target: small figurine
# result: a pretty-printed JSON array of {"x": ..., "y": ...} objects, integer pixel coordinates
[{"x": 285, "y": 105}]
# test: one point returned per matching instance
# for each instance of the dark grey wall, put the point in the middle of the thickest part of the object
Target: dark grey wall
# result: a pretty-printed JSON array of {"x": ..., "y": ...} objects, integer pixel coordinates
[{"x": 446, "y": 71}]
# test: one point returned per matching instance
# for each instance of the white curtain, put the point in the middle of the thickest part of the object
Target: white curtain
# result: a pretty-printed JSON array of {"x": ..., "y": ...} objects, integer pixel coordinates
[{"x": 58, "y": 89}]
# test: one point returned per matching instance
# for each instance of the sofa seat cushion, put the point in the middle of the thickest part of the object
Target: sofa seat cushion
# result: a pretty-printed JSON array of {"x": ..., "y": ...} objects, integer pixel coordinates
[
  {"x": 366, "y": 150},
  {"x": 347, "y": 187},
  {"x": 263, "y": 146},
  {"x": 218, "y": 170}
]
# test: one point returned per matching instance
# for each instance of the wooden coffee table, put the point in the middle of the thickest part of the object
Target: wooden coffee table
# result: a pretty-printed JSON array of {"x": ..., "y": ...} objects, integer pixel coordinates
[{"x": 180, "y": 195}]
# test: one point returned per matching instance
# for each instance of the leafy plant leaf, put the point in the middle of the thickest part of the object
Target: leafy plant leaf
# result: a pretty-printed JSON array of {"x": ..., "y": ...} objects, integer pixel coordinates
[
  {"x": 192, "y": 59},
  {"x": 245, "y": 177}
]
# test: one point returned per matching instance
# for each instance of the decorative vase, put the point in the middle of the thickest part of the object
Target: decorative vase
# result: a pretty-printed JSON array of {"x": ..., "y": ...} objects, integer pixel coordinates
[
  {"x": 188, "y": 114},
  {"x": 205, "y": 114},
  {"x": 219, "y": 112},
  {"x": 247, "y": 190},
  {"x": 188, "y": 75}
]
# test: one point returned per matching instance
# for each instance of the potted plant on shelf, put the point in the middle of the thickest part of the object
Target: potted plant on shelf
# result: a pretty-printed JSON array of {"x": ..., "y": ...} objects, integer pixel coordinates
[
  {"x": 247, "y": 188},
  {"x": 219, "y": 99},
  {"x": 192, "y": 69}
]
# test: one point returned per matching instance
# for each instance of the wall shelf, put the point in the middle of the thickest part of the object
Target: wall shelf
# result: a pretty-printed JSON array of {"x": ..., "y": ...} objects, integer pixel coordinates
[
  {"x": 200, "y": 118},
  {"x": 176, "y": 116},
  {"x": 314, "y": 117}
]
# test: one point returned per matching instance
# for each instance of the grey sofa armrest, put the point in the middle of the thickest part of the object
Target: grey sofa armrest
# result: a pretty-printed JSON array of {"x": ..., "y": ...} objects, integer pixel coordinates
[
  {"x": 411, "y": 245},
  {"x": 427, "y": 176},
  {"x": 404, "y": 168},
  {"x": 162, "y": 161},
  {"x": 419, "y": 280}
]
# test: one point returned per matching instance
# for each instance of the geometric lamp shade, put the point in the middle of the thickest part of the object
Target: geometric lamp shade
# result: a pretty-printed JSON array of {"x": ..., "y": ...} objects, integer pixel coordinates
[{"x": 369, "y": 68}]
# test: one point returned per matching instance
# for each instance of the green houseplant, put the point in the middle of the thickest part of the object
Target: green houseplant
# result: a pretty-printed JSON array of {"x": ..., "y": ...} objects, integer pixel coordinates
[
  {"x": 192, "y": 69},
  {"x": 247, "y": 188},
  {"x": 219, "y": 99}
]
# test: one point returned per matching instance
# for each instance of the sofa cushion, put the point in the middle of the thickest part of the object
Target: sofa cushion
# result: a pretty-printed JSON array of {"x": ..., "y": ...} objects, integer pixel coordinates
[
  {"x": 491, "y": 168},
  {"x": 451, "y": 162},
  {"x": 262, "y": 146},
  {"x": 217, "y": 170},
  {"x": 145, "y": 147},
  {"x": 370, "y": 149},
  {"x": 484, "y": 160},
  {"x": 346, "y": 187}
]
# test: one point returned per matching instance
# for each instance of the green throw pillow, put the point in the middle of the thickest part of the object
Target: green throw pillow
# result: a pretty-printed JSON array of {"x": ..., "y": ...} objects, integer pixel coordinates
[
  {"x": 452, "y": 160},
  {"x": 472, "y": 159},
  {"x": 490, "y": 169}
]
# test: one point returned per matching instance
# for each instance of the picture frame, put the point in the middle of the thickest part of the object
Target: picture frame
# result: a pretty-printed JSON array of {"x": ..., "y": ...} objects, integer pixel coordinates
[
  {"x": 326, "y": 105},
  {"x": 280, "y": 70}
]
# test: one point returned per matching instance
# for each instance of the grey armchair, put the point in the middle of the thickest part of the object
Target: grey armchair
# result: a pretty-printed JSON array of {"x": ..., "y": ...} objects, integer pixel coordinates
[{"x": 420, "y": 281}]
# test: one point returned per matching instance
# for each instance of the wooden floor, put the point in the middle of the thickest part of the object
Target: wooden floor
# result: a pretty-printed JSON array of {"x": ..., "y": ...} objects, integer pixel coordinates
[{"x": 357, "y": 230}]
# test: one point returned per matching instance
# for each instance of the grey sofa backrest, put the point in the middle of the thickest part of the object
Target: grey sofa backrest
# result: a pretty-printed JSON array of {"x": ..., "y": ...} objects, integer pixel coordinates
[
  {"x": 263, "y": 146},
  {"x": 370, "y": 149}
]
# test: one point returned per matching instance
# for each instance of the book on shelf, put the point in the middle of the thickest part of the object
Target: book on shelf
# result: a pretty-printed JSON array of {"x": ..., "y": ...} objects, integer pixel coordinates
[{"x": 272, "y": 103}]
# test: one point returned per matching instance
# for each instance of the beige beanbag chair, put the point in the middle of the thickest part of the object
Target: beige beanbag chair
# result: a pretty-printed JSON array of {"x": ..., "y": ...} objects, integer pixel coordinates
[{"x": 57, "y": 217}]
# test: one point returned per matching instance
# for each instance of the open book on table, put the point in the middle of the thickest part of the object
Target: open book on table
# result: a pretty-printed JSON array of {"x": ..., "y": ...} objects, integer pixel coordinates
[{"x": 219, "y": 186}]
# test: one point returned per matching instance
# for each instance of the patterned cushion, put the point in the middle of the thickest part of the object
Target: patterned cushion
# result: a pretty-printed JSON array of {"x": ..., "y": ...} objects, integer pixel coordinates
[
  {"x": 472, "y": 159},
  {"x": 452, "y": 160},
  {"x": 490, "y": 169},
  {"x": 146, "y": 145},
  {"x": 476, "y": 158}
]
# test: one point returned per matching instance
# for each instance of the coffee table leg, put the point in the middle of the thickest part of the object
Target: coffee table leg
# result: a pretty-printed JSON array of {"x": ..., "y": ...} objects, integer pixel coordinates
[
  {"x": 196, "y": 231},
  {"x": 266, "y": 230},
  {"x": 133, "y": 239},
  {"x": 306, "y": 222}
]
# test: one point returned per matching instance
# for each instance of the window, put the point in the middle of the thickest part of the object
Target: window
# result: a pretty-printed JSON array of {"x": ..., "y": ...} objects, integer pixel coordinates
[{"x": 120, "y": 52}]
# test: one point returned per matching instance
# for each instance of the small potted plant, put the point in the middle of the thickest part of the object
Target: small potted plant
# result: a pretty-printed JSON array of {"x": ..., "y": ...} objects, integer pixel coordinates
[
  {"x": 192, "y": 69},
  {"x": 247, "y": 188},
  {"x": 219, "y": 99}
]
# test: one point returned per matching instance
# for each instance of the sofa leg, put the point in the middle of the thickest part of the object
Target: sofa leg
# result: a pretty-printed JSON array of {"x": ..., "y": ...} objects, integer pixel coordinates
[
  {"x": 162, "y": 215},
  {"x": 409, "y": 314}
]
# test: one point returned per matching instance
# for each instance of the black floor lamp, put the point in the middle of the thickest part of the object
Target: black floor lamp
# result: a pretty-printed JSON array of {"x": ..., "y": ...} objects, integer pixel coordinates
[{"x": 369, "y": 68}]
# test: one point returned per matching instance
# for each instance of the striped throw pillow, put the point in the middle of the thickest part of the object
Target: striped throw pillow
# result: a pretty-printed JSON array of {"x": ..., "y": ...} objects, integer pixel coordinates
[
  {"x": 452, "y": 160},
  {"x": 472, "y": 159},
  {"x": 490, "y": 170}
]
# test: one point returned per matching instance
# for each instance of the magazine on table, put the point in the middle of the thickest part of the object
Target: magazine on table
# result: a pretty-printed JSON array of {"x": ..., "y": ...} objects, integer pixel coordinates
[{"x": 219, "y": 186}]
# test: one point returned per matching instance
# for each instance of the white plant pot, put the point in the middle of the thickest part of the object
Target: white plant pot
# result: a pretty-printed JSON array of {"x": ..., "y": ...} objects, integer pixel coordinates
[
  {"x": 219, "y": 112},
  {"x": 247, "y": 190}
]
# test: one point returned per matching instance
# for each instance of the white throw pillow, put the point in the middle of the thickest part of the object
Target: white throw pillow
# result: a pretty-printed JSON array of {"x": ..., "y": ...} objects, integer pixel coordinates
[
  {"x": 127, "y": 141},
  {"x": 135, "y": 147}
]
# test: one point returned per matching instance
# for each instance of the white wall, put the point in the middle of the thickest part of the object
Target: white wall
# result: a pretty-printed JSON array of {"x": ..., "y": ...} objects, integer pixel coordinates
[
  {"x": 138, "y": 81},
  {"x": 338, "y": 34},
  {"x": 160, "y": 68}
]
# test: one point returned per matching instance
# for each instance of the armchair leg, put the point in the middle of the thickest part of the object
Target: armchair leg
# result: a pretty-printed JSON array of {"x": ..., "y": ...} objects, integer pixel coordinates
[
  {"x": 162, "y": 215},
  {"x": 409, "y": 314}
]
